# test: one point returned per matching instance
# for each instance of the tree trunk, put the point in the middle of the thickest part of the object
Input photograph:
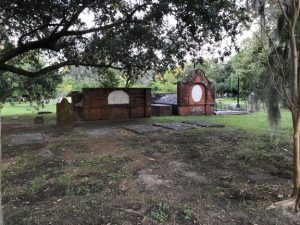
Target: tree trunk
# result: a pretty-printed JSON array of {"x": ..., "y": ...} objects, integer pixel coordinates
[
  {"x": 294, "y": 202},
  {"x": 295, "y": 105},
  {"x": 1, "y": 211},
  {"x": 296, "y": 191}
]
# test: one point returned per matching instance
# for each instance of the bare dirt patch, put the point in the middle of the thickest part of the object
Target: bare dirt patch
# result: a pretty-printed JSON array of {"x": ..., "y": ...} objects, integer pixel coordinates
[{"x": 199, "y": 176}]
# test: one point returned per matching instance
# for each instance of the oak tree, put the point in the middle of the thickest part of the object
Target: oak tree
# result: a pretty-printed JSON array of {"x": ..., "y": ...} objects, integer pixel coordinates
[
  {"x": 124, "y": 35},
  {"x": 279, "y": 22}
]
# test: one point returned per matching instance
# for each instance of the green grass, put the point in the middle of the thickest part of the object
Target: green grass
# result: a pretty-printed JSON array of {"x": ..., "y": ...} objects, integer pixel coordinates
[
  {"x": 25, "y": 109},
  {"x": 224, "y": 103},
  {"x": 255, "y": 122},
  {"x": 230, "y": 100}
]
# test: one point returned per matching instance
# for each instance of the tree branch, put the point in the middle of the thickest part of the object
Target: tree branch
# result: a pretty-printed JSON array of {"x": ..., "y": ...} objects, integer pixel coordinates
[
  {"x": 53, "y": 67},
  {"x": 50, "y": 41},
  {"x": 27, "y": 73},
  {"x": 284, "y": 12},
  {"x": 20, "y": 41},
  {"x": 75, "y": 16}
]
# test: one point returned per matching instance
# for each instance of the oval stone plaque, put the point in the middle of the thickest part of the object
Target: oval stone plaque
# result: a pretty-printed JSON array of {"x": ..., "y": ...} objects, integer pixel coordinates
[
  {"x": 118, "y": 98},
  {"x": 197, "y": 93}
]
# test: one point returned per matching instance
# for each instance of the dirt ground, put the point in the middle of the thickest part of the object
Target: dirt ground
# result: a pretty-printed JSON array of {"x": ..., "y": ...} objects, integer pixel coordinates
[{"x": 103, "y": 174}]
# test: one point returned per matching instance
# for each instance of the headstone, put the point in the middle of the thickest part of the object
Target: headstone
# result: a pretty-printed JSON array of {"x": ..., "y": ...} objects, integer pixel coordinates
[
  {"x": 251, "y": 103},
  {"x": 65, "y": 116}
]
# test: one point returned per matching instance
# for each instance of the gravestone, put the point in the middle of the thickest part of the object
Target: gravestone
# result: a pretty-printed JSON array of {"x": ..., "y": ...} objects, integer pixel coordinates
[
  {"x": 251, "y": 103},
  {"x": 64, "y": 114}
]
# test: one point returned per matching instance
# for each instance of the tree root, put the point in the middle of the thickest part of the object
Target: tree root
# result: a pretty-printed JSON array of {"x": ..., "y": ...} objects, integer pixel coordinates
[{"x": 290, "y": 204}]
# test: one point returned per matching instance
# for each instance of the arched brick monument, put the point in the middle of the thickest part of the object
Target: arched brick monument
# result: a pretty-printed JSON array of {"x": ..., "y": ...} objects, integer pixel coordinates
[
  {"x": 195, "y": 95},
  {"x": 112, "y": 103}
]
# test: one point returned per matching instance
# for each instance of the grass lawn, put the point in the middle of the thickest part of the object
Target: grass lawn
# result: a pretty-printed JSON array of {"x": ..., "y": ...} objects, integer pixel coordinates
[
  {"x": 255, "y": 122},
  {"x": 230, "y": 100},
  {"x": 25, "y": 109}
]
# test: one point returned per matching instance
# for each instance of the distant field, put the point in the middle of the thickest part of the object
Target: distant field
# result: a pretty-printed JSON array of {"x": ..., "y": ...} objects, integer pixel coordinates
[
  {"x": 230, "y": 100},
  {"x": 25, "y": 109}
]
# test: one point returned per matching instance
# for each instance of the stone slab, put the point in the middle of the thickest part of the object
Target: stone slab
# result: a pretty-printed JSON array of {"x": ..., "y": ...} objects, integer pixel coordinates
[
  {"x": 231, "y": 112},
  {"x": 142, "y": 129},
  {"x": 99, "y": 132},
  {"x": 204, "y": 124},
  {"x": 25, "y": 139},
  {"x": 44, "y": 112},
  {"x": 175, "y": 126}
]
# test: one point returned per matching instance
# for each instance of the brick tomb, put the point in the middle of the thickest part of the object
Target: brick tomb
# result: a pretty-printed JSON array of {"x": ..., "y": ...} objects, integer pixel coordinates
[
  {"x": 112, "y": 103},
  {"x": 195, "y": 96}
]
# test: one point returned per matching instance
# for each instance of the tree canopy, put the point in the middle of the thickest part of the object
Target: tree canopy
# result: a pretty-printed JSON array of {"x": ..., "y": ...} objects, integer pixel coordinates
[{"x": 125, "y": 35}]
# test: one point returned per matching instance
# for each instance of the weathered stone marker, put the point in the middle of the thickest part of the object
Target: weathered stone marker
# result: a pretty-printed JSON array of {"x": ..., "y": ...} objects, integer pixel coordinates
[{"x": 65, "y": 117}]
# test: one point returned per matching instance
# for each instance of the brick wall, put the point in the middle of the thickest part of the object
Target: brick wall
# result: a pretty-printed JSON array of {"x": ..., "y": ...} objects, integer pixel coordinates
[
  {"x": 161, "y": 110},
  {"x": 95, "y": 105}
]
